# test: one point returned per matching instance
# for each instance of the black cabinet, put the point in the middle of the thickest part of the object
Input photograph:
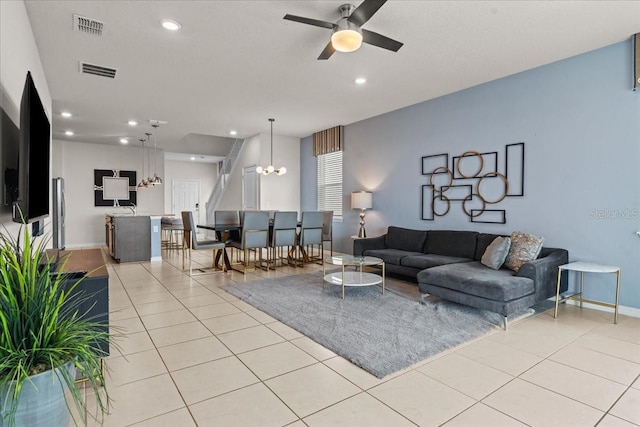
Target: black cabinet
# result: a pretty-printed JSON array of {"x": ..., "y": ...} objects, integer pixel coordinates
[{"x": 94, "y": 288}]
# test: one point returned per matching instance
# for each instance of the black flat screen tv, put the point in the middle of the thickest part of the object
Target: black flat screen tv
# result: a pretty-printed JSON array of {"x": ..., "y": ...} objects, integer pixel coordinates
[{"x": 33, "y": 163}]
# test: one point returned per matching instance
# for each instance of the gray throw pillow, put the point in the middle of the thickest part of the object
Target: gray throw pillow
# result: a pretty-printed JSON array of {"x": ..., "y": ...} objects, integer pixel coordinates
[{"x": 496, "y": 253}]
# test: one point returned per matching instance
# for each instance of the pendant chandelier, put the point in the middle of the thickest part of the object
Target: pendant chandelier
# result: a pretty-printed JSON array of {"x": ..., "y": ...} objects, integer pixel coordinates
[
  {"x": 270, "y": 169},
  {"x": 150, "y": 181},
  {"x": 156, "y": 180},
  {"x": 143, "y": 182}
]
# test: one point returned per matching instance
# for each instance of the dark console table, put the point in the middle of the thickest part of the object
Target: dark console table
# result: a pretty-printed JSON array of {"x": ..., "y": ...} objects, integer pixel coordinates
[{"x": 94, "y": 288}]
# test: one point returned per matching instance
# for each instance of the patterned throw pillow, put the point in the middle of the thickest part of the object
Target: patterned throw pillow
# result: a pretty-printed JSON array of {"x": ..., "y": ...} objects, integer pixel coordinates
[
  {"x": 524, "y": 248},
  {"x": 496, "y": 253}
]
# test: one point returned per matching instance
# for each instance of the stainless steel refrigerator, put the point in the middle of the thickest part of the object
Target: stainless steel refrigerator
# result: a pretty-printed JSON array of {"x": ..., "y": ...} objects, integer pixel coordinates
[{"x": 58, "y": 213}]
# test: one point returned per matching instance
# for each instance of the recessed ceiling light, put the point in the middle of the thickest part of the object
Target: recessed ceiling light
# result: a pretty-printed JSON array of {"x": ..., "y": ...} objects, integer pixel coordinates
[
  {"x": 192, "y": 158},
  {"x": 361, "y": 81},
  {"x": 124, "y": 141},
  {"x": 233, "y": 132},
  {"x": 66, "y": 114},
  {"x": 68, "y": 132},
  {"x": 170, "y": 24},
  {"x": 133, "y": 123}
]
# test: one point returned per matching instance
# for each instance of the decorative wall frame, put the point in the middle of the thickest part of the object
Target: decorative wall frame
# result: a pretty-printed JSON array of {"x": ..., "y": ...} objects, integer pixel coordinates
[
  {"x": 488, "y": 163},
  {"x": 514, "y": 168},
  {"x": 489, "y": 216},
  {"x": 109, "y": 188},
  {"x": 475, "y": 187},
  {"x": 434, "y": 162}
]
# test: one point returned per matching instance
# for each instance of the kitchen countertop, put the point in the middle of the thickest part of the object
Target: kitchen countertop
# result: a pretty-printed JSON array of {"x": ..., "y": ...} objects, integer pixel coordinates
[{"x": 124, "y": 214}]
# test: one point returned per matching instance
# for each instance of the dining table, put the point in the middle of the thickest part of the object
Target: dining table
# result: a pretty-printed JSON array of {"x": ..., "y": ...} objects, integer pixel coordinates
[{"x": 223, "y": 234}]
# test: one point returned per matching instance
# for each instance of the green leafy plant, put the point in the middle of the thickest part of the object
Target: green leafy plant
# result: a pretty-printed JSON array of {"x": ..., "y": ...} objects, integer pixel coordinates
[{"x": 41, "y": 328}]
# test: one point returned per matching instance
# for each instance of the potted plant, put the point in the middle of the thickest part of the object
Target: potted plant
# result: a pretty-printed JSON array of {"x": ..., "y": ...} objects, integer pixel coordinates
[{"x": 45, "y": 342}]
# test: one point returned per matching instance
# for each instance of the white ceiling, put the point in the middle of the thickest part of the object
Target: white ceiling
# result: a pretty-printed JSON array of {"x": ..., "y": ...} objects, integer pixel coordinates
[
  {"x": 234, "y": 64},
  {"x": 197, "y": 158}
]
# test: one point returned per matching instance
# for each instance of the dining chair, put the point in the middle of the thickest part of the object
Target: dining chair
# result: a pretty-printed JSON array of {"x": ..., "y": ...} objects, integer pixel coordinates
[
  {"x": 283, "y": 234},
  {"x": 254, "y": 236},
  {"x": 327, "y": 229},
  {"x": 310, "y": 236},
  {"x": 190, "y": 242}
]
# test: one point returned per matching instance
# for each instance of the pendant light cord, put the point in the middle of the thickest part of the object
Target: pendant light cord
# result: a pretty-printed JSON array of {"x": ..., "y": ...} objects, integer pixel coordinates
[{"x": 271, "y": 120}]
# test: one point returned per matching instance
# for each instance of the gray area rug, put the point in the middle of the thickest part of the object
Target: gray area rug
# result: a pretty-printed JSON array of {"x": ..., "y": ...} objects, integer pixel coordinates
[{"x": 380, "y": 333}]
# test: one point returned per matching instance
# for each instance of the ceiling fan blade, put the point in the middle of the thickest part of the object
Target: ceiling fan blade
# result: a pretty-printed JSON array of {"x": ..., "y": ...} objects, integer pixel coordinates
[
  {"x": 327, "y": 52},
  {"x": 365, "y": 11},
  {"x": 309, "y": 21},
  {"x": 381, "y": 41}
]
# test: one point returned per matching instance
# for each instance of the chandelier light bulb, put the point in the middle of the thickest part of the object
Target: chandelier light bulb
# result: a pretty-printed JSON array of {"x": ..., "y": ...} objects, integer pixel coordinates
[
  {"x": 270, "y": 169},
  {"x": 259, "y": 169},
  {"x": 281, "y": 171}
]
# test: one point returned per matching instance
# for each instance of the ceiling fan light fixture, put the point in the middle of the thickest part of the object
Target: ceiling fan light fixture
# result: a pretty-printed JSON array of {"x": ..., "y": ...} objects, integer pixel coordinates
[{"x": 346, "y": 39}]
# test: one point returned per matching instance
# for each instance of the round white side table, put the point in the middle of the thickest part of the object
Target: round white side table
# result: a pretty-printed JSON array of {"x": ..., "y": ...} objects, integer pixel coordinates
[{"x": 588, "y": 267}]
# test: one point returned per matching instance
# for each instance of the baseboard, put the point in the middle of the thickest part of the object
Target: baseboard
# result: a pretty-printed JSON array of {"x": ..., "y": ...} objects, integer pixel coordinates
[
  {"x": 627, "y": 311},
  {"x": 85, "y": 245}
]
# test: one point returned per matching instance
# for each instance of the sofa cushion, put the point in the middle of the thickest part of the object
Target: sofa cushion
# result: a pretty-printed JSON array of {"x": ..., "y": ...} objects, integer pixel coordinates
[
  {"x": 473, "y": 278},
  {"x": 524, "y": 248},
  {"x": 452, "y": 243},
  {"x": 430, "y": 260},
  {"x": 391, "y": 256},
  {"x": 484, "y": 240},
  {"x": 406, "y": 239},
  {"x": 496, "y": 253}
]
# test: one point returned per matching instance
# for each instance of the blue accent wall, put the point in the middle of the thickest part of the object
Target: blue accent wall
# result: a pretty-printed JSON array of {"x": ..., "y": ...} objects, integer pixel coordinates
[{"x": 580, "y": 120}]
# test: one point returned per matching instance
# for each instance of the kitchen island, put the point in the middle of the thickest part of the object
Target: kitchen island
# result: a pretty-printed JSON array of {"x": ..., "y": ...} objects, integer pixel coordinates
[{"x": 132, "y": 238}]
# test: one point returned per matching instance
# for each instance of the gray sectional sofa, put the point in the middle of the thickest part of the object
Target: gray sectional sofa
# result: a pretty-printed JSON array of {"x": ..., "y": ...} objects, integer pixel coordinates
[{"x": 447, "y": 264}]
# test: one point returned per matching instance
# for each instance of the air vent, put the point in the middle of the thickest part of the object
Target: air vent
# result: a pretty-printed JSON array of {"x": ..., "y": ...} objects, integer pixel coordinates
[
  {"x": 97, "y": 70},
  {"x": 87, "y": 25}
]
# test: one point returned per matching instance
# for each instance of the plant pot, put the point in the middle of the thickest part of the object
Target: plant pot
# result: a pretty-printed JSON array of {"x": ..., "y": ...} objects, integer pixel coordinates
[{"x": 41, "y": 402}]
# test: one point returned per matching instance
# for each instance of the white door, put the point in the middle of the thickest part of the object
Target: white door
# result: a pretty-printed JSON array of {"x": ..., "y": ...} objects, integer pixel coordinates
[
  {"x": 250, "y": 189},
  {"x": 186, "y": 197}
]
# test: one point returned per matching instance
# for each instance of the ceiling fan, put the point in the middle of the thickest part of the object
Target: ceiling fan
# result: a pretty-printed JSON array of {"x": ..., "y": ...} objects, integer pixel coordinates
[{"x": 348, "y": 34}]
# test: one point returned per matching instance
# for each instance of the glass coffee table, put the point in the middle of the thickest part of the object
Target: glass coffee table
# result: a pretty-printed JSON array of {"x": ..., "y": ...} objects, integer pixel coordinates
[{"x": 353, "y": 278}]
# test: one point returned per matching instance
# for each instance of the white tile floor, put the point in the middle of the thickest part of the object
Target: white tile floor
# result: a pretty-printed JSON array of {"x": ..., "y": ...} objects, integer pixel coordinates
[{"x": 193, "y": 355}]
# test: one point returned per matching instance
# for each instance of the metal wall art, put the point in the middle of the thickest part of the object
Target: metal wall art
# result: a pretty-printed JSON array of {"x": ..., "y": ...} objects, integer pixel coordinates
[
  {"x": 474, "y": 181},
  {"x": 113, "y": 187}
]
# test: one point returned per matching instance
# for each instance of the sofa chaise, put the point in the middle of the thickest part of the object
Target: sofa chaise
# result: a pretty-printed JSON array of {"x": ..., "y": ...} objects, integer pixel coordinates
[{"x": 447, "y": 264}]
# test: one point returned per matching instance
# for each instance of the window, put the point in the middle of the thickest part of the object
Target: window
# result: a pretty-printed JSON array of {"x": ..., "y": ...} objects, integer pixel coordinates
[{"x": 330, "y": 184}]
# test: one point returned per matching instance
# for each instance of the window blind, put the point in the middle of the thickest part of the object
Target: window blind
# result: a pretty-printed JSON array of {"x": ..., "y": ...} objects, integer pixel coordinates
[{"x": 330, "y": 184}]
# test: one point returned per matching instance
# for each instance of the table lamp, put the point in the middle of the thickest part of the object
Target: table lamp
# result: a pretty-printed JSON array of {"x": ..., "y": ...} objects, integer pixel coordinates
[{"x": 361, "y": 200}]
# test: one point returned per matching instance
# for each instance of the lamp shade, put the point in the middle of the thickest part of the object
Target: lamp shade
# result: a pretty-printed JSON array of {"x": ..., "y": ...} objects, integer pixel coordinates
[{"x": 361, "y": 200}]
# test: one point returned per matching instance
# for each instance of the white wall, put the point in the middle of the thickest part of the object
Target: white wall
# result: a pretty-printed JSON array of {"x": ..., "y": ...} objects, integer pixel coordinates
[
  {"x": 280, "y": 192},
  {"x": 18, "y": 54},
  {"x": 75, "y": 162},
  {"x": 205, "y": 173},
  {"x": 276, "y": 192},
  {"x": 249, "y": 155}
]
